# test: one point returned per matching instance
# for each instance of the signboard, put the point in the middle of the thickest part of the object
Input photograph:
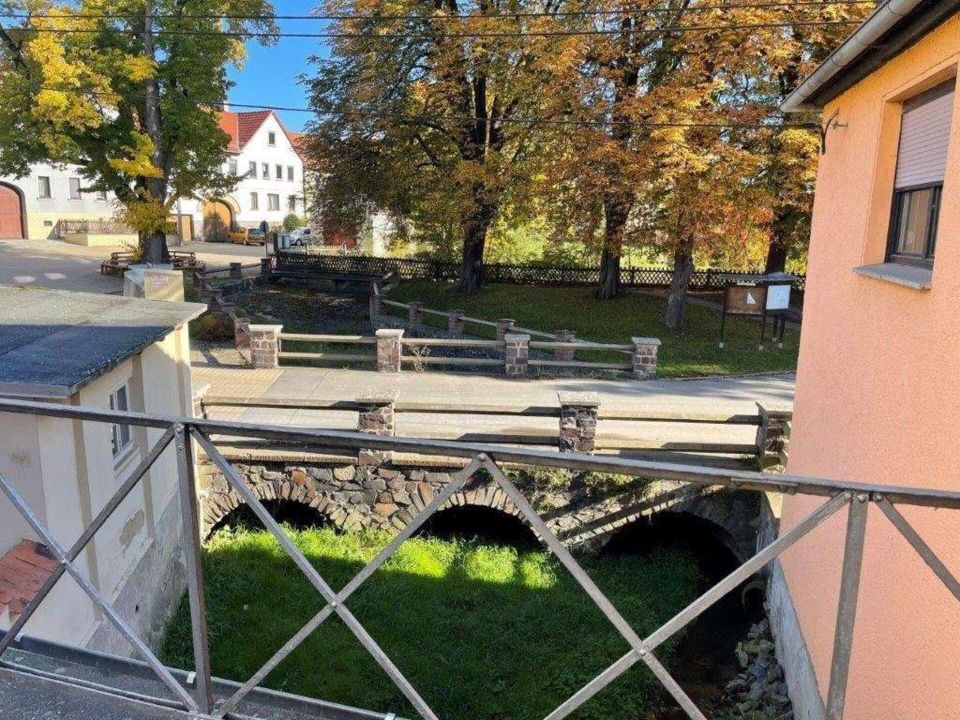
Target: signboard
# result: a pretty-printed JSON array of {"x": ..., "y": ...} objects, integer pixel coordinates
[
  {"x": 746, "y": 300},
  {"x": 778, "y": 297}
]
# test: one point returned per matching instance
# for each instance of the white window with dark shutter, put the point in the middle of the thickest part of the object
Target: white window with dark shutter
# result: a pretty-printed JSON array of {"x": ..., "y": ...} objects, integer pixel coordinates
[{"x": 921, "y": 163}]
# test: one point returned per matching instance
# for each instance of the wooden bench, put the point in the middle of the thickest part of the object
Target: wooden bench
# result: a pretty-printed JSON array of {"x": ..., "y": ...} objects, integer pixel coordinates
[
  {"x": 342, "y": 282},
  {"x": 121, "y": 260}
]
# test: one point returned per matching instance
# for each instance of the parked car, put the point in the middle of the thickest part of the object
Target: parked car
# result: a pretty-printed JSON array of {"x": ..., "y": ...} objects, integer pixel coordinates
[
  {"x": 248, "y": 236},
  {"x": 301, "y": 236}
]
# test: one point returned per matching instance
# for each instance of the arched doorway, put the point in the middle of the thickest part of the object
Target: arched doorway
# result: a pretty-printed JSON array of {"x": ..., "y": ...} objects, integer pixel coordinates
[
  {"x": 217, "y": 221},
  {"x": 11, "y": 212}
]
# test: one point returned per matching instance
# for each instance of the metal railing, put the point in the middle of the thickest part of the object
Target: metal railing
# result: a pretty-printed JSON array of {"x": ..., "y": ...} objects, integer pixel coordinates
[{"x": 183, "y": 432}]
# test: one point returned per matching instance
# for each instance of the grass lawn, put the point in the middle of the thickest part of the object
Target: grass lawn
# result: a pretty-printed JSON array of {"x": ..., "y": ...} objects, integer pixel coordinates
[
  {"x": 484, "y": 632},
  {"x": 688, "y": 352}
]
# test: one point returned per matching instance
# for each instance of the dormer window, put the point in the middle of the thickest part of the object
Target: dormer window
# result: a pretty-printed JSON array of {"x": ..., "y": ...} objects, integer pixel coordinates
[{"x": 921, "y": 162}]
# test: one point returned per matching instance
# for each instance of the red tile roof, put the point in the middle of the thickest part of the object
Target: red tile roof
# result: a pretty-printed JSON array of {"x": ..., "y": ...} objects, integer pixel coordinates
[
  {"x": 241, "y": 126},
  {"x": 22, "y": 571}
]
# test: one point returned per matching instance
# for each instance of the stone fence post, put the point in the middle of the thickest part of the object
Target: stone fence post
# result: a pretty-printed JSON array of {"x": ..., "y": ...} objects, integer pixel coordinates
[
  {"x": 236, "y": 271},
  {"x": 416, "y": 313},
  {"x": 265, "y": 345},
  {"x": 645, "y": 351},
  {"x": 578, "y": 421},
  {"x": 241, "y": 333},
  {"x": 565, "y": 354},
  {"x": 504, "y": 326},
  {"x": 376, "y": 415},
  {"x": 389, "y": 350},
  {"x": 266, "y": 266},
  {"x": 516, "y": 354},
  {"x": 455, "y": 322},
  {"x": 773, "y": 434}
]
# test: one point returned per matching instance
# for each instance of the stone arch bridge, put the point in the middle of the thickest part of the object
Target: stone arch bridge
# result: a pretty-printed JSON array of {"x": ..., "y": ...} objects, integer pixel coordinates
[{"x": 387, "y": 496}]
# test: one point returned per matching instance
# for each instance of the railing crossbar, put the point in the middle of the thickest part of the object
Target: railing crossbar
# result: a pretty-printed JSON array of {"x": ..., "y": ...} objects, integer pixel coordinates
[
  {"x": 923, "y": 550},
  {"x": 95, "y": 595},
  {"x": 81, "y": 542}
]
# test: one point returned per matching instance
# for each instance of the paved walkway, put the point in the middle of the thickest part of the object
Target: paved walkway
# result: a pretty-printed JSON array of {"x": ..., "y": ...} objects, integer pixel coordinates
[
  {"x": 58, "y": 264},
  {"x": 734, "y": 395}
]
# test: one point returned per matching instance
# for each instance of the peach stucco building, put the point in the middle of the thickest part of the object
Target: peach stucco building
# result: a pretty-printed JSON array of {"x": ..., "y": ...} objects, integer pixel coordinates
[{"x": 878, "y": 387}]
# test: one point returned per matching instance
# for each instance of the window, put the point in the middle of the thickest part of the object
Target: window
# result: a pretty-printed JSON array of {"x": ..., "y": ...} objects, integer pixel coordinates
[
  {"x": 74, "y": 188},
  {"x": 271, "y": 138},
  {"x": 266, "y": 171},
  {"x": 279, "y": 172},
  {"x": 44, "y": 186},
  {"x": 290, "y": 173},
  {"x": 292, "y": 203},
  {"x": 254, "y": 201},
  {"x": 232, "y": 167},
  {"x": 921, "y": 162},
  {"x": 252, "y": 172},
  {"x": 273, "y": 201},
  {"x": 101, "y": 194},
  {"x": 121, "y": 440}
]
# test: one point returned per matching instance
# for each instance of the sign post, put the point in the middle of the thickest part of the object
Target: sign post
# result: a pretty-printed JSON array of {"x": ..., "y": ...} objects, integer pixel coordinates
[{"x": 758, "y": 296}]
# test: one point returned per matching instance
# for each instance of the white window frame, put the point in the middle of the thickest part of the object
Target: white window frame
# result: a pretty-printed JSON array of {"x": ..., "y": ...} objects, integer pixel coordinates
[
  {"x": 290, "y": 175},
  {"x": 254, "y": 201},
  {"x": 75, "y": 182},
  {"x": 272, "y": 139},
  {"x": 232, "y": 168},
  {"x": 266, "y": 170},
  {"x": 273, "y": 201},
  {"x": 102, "y": 195},
  {"x": 121, "y": 436},
  {"x": 252, "y": 172},
  {"x": 44, "y": 193}
]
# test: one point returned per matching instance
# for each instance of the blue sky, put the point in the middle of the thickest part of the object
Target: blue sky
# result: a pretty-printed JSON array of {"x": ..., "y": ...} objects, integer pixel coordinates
[{"x": 269, "y": 76}]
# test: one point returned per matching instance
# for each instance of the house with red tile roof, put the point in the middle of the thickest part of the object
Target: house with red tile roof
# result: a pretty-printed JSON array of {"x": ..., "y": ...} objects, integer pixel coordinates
[{"x": 265, "y": 156}]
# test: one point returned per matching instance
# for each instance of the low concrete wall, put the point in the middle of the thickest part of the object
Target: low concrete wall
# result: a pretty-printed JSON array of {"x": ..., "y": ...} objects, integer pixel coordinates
[{"x": 99, "y": 240}]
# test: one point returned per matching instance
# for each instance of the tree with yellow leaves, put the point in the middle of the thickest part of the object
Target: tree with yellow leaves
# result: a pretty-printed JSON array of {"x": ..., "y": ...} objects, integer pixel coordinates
[{"x": 129, "y": 91}]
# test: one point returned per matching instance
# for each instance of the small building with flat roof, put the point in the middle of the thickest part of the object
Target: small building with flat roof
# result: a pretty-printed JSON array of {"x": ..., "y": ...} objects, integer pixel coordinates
[{"x": 112, "y": 352}]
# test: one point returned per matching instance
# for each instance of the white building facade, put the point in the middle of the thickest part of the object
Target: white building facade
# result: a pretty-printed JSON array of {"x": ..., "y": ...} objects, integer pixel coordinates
[{"x": 262, "y": 153}]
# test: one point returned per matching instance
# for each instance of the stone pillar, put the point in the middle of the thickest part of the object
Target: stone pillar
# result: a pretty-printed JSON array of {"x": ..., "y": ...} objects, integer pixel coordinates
[
  {"x": 376, "y": 416},
  {"x": 504, "y": 325},
  {"x": 236, "y": 271},
  {"x": 516, "y": 354},
  {"x": 389, "y": 349},
  {"x": 265, "y": 345},
  {"x": 241, "y": 333},
  {"x": 455, "y": 322},
  {"x": 416, "y": 313},
  {"x": 645, "y": 351},
  {"x": 773, "y": 434},
  {"x": 376, "y": 412},
  {"x": 266, "y": 266},
  {"x": 578, "y": 421},
  {"x": 565, "y": 354}
]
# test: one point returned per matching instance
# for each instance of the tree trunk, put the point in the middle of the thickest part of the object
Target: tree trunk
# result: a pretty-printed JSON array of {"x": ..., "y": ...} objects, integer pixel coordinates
[
  {"x": 776, "y": 254},
  {"x": 615, "y": 216},
  {"x": 154, "y": 247},
  {"x": 682, "y": 270},
  {"x": 474, "y": 241}
]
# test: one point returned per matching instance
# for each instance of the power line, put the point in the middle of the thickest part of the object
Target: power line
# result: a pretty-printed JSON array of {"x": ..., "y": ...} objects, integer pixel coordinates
[
  {"x": 455, "y": 18},
  {"x": 407, "y": 36},
  {"x": 423, "y": 118}
]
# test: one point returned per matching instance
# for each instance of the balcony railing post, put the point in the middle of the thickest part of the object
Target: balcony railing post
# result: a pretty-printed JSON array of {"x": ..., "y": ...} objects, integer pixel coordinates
[
  {"x": 190, "y": 512},
  {"x": 847, "y": 605}
]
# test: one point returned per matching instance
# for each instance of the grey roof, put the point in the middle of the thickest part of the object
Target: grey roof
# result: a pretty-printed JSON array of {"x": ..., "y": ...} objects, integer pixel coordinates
[
  {"x": 893, "y": 27},
  {"x": 53, "y": 342}
]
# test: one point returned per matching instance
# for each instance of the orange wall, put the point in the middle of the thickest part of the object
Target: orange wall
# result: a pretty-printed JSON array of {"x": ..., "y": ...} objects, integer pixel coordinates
[{"x": 878, "y": 400}]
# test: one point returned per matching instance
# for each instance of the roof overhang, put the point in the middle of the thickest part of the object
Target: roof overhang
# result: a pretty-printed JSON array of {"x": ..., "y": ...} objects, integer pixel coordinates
[{"x": 892, "y": 28}]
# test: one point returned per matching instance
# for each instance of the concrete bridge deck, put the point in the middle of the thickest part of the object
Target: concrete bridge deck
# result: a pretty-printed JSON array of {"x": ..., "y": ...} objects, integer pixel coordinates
[{"x": 729, "y": 395}]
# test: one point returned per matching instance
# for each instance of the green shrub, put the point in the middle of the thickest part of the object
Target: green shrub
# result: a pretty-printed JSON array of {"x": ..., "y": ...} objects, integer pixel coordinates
[{"x": 292, "y": 222}]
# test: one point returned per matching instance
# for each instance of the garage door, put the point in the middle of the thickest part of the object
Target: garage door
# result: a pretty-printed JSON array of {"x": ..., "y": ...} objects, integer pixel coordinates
[{"x": 11, "y": 219}]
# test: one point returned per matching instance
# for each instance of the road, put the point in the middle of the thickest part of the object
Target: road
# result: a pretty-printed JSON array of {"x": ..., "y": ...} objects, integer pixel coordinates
[{"x": 58, "y": 264}]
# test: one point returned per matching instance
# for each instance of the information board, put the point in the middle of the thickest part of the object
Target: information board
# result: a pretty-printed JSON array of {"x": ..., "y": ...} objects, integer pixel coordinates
[
  {"x": 778, "y": 297},
  {"x": 745, "y": 300}
]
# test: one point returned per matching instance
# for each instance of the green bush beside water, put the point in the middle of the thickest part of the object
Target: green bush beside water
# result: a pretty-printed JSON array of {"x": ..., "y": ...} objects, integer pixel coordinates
[{"x": 484, "y": 632}]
